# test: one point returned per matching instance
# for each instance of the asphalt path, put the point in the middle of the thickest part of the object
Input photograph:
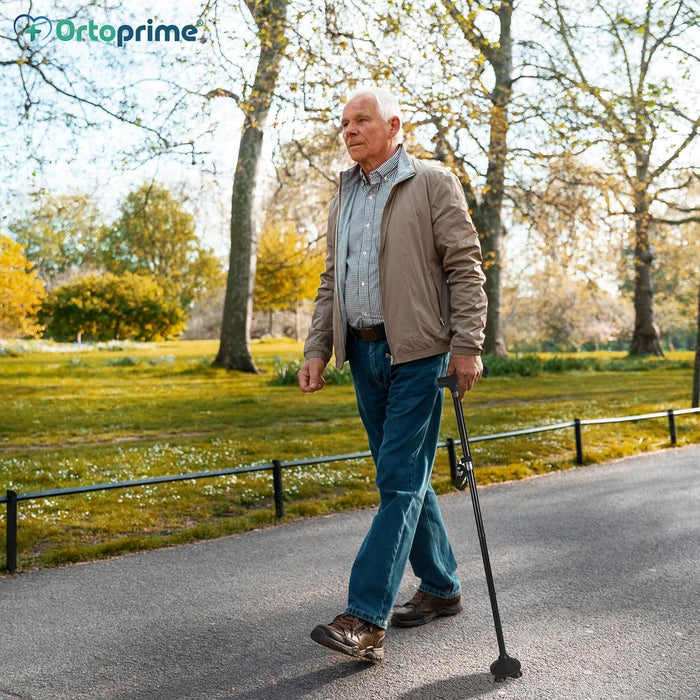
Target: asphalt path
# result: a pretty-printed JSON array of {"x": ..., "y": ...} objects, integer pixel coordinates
[{"x": 597, "y": 571}]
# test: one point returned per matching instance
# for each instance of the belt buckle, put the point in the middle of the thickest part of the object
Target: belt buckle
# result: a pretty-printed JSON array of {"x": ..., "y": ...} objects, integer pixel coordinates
[{"x": 368, "y": 334}]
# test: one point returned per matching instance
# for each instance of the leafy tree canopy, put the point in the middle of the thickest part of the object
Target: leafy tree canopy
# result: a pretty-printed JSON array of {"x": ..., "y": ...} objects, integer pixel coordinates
[
  {"x": 61, "y": 233},
  {"x": 156, "y": 235},
  {"x": 288, "y": 269},
  {"x": 21, "y": 292}
]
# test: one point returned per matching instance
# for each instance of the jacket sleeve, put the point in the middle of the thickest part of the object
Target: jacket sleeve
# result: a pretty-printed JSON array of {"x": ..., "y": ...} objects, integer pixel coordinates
[
  {"x": 457, "y": 244},
  {"x": 319, "y": 341}
]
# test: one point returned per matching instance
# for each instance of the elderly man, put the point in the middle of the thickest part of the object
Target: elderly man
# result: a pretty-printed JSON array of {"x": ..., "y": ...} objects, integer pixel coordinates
[{"x": 402, "y": 300}]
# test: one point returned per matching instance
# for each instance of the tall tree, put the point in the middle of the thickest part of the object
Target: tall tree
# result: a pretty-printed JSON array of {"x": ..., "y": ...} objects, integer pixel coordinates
[
  {"x": 677, "y": 253},
  {"x": 487, "y": 210},
  {"x": 270, "y": 18},
  {"x": 288, "y": 270},
  {"x": 633, "y": 112},
  {"x": 550, "y": 310},
  {"x": 156, "y": 235},
  {"x": 61, "y": 234},
  {"x": 568, "y": 261}
]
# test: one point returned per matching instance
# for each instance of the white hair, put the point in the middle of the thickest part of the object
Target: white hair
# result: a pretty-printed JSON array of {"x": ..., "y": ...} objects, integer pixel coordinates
[{"x": 387, "y": 104}]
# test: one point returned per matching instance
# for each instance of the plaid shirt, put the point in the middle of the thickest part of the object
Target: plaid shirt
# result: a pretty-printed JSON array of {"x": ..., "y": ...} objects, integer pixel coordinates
[{"x": 366, "y": 200}]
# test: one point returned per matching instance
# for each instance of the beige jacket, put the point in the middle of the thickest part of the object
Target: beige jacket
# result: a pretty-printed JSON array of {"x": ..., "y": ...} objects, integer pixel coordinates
[{"x": 430, "y": 274}]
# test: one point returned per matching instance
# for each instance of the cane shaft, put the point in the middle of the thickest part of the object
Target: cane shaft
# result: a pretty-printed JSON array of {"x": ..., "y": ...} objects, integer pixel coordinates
[{"x": 466, "y": 468}]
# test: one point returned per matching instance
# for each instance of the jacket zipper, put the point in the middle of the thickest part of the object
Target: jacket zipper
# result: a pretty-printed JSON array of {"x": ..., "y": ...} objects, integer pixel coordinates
[
  {"x": 336, "y": 282},
  {"x": 439, "y": 304}
]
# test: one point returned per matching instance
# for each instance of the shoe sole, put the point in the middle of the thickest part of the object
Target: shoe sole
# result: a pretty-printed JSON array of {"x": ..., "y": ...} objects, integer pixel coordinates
[
  {"x": 417, "y": 622},
  {"x": 374, "y": 654}
]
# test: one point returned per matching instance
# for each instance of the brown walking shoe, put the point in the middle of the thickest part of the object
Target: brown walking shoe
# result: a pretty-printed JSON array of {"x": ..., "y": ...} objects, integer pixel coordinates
[
  {"x": 423, "y": 608},
  {"x": 353, "y": 636}
]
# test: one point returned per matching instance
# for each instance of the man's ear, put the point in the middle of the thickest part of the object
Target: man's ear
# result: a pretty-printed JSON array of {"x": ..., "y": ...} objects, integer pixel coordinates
[{"x": 395, "y": 126}]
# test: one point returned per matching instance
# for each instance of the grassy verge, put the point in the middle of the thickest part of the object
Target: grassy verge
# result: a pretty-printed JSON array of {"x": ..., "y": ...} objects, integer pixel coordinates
[{"x": 128, "y": 412}]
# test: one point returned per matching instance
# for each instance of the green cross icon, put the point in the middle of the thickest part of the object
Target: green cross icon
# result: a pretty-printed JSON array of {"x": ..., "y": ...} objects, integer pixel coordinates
[{"x": 33, "y": 31}]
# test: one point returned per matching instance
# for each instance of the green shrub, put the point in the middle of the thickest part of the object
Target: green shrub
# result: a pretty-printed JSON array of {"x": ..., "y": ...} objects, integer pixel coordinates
[
  {"x": 126, "y": 361},
  {"x": 286, "y": 371},
  {"x": 526, "y": 365},
  {"x": 564, "y": 363},
  {"x": 112, "y": 307},
  {"x": 333, "y": 375},
  {"x": 513, "y": 366}
]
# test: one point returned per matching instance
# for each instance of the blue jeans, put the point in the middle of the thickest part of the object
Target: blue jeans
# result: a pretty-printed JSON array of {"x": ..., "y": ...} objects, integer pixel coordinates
[{"x": 401, "y": 409}]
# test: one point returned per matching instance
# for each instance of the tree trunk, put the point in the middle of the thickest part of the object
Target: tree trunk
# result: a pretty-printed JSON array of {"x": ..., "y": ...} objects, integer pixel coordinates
[
  {"x": 487, "y": 213},
  {"x": 645, "y": 340},
  {"x": 696, "y": 371},
  {"x": 234, "y": 347},
  {"x": 492, "y": 231},
  {"x": 489, "y": 226}
]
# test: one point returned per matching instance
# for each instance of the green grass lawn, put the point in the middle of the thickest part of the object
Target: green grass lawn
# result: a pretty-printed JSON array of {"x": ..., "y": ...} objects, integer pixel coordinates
[{"x": 73, "y": 418}]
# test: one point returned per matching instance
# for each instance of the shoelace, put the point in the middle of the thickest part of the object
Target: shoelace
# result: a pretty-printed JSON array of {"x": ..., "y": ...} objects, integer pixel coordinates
[
  {"x": 351, "y": 623},
  {"x": 417, "y": 599}
]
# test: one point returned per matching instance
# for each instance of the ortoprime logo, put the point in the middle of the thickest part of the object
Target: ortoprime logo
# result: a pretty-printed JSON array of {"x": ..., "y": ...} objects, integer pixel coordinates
[{"x": 35, "y": 29}]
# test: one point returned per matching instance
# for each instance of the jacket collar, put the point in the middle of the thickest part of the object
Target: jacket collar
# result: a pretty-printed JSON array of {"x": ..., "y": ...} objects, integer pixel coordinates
[{"x": 405, "y": 169}]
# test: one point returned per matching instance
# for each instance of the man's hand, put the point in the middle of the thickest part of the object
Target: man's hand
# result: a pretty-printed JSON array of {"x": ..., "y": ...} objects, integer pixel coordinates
[
  {"x": 311, "y": 375},
  {"x": 468, "y": 369}
]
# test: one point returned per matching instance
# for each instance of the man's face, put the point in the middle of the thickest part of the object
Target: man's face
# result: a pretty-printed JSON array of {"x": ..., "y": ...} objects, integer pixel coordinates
[{"x": 368, "y": 137}]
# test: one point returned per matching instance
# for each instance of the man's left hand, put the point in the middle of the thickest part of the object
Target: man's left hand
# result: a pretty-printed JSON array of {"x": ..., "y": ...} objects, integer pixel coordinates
[{"x": 468, "y": 369}]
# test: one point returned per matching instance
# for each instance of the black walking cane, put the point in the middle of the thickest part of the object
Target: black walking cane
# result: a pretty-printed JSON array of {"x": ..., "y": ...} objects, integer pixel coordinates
[{"x": 505, "y": 666}]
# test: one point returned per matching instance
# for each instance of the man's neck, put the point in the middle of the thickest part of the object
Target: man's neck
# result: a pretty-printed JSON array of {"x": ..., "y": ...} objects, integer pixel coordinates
[{"x": 367, "y": 168}]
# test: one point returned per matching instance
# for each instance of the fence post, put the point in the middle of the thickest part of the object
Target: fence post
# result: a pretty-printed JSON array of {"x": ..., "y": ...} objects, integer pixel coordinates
[
  {"x": 11, "y": 528},
  {"x": 452, "y": 454},
  {"x": 672, "y": 426},
  {"x": 277, "y": 485},
  {"x": 579, "y": 441}
]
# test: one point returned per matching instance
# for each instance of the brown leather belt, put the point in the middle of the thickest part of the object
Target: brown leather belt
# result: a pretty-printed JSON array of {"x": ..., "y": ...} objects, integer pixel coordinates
[{"x": 369, "y": 335}]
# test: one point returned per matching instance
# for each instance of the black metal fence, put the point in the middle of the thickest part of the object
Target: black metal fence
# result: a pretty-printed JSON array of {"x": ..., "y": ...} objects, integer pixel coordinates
[{"x": 276, "y": 466}]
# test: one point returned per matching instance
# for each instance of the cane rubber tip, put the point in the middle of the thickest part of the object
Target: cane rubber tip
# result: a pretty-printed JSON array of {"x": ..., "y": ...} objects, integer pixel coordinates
[{"x": 505, "y": 667}]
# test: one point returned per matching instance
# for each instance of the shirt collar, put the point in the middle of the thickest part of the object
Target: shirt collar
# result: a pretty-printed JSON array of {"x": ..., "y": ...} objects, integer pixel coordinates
[{"x": 379, "y": 174}]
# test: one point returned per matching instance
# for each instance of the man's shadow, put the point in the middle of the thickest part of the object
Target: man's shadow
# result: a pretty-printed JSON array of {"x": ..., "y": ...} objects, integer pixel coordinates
[
  {"x": 475, "y": 685},
  {"x": 301, "y": 686},
  {"x": 458, "y": 688}
]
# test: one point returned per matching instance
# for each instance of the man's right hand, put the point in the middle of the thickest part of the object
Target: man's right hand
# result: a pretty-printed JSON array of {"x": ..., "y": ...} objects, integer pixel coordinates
[{"x": 311, "y": 375}]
